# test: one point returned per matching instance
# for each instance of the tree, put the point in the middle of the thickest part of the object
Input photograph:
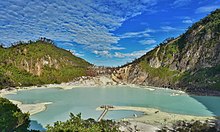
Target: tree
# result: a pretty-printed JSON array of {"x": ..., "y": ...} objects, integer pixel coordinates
[
  {"x": 11, "y": 117},
  {"x": 77, "y": 124}
]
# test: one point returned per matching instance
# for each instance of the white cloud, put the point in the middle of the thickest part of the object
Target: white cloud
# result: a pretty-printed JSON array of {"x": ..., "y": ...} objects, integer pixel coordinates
[
  {"x": 180, "y": 3},
  {"x": 207, "y": 9},
  {"x": 128, "y": 56},
  {"x": 139, "y": 34},
  {"x": 104, "y": 53},
  {"x": 132, "y": 55},
  {"x": 168, "y": 28},
  {"x": 87, "y": 22},
  {"x": 74, "y": 52},
  {"x": 187, "y": 21},
  {"x": 117, "y": 48},
  {"x": 67, "y": 44},
  {"x": 149, "y": 41}
]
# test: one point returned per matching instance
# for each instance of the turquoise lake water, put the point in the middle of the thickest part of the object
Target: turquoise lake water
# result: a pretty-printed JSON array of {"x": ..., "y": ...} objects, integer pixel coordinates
[{"x": 86, "y": 100}]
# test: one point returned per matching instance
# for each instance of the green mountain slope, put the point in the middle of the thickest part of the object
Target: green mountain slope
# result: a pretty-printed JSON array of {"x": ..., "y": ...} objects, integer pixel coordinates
[
  {"x": 190, "y": 61},
  {"x": 39, "y": 62}
]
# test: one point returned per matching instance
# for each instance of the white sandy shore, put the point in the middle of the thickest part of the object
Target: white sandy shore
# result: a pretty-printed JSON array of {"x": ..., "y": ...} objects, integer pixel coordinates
[
  {"x": 83, "y": 82},
  {"x": 156, "y": 117},
  {"x": 103, "y": 81},
  {"x": 31, "y": 108}
]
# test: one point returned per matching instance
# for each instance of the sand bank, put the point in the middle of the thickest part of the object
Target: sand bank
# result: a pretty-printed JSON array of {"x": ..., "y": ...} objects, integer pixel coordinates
[
  {"x": 31, "y": 108},
  {"x": 156, "y": 117}
]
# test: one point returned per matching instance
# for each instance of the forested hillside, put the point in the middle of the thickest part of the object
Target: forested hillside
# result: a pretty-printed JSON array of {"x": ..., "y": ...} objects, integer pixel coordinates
[
  {"x": 190, "y": 61},
  {"x": 39, "y": 62}
]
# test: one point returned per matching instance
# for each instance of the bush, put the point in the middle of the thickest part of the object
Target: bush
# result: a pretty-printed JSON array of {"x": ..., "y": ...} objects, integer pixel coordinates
[
  {"x": 11, "y": 117},
  {"x": 77, "y": 124}
]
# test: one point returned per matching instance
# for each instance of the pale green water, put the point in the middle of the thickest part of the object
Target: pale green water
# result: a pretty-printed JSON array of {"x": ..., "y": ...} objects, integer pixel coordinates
[{"x": 86, "y": 100}]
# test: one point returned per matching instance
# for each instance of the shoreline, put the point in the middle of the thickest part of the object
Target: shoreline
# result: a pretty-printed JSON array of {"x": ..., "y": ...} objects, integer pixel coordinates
[
  {"x": 106, "y": 81},
  {"x": 157, "y": 117},
  {"x": 99, "y": 81},
  {"x": 149, "y": 117},
  {"x": 31, "y": 108}
]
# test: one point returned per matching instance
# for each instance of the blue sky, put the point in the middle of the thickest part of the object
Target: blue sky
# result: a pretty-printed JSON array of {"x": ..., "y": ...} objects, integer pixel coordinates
[{"x": 104, "y": 32}]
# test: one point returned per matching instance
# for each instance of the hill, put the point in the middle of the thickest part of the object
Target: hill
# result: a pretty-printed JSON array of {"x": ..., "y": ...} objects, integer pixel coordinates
[
  {"x": 190, "y": 61},
  {"x": 39, "y": 62}
]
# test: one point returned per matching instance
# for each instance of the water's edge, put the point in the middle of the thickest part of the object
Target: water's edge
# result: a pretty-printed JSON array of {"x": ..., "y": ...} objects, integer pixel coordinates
[{"x": 150, "y": 116}]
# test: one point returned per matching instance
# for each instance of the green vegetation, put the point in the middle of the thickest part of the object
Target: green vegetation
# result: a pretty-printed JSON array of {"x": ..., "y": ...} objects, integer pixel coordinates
[
  {"x": 161, "y": 72},
  {"x": 77, "y": 124},
  {"x": 4, "y": 81},
  {"x": 168, "y": 51},
  {"x": 11, "y": 117},
  {"x": 212, "y": 21},
  {"x": 36, "y": 63},
  {"x": 206, "y": 77}
]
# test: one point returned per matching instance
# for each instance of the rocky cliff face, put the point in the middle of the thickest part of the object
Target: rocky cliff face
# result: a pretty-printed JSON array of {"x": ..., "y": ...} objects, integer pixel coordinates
[
  {"x": 191, "y": 60},
  {"x": 35, "y": 67}
]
